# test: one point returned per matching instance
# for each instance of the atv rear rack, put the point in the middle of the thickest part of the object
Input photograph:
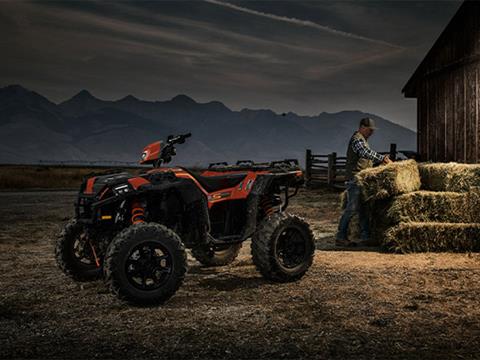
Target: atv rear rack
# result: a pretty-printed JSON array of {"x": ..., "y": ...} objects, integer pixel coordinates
[{"x": 279, "y": 165}]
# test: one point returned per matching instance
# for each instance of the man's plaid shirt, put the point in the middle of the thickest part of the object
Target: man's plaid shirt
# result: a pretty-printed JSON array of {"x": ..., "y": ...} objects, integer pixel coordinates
[{"x": 361, "y": 149}]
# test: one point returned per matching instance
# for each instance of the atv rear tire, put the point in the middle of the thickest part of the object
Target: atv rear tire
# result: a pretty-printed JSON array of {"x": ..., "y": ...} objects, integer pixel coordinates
[
  {"x": 283, "y": 247},
  {"x": 73, "y": 256},
  {"x": 145, "y": 264},
  {"x": 210, "y": 257}
]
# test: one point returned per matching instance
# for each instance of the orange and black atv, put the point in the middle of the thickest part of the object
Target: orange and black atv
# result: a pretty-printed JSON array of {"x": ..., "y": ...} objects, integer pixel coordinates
[{"x": 134, "y": 229}]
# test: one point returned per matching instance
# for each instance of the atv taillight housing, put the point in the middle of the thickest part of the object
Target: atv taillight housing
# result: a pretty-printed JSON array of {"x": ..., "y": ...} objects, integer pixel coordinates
[{"x": 83, "y": 208}]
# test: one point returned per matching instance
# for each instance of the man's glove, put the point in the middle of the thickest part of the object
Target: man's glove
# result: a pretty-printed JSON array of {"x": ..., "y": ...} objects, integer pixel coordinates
[{"x": 386, "y": 160}]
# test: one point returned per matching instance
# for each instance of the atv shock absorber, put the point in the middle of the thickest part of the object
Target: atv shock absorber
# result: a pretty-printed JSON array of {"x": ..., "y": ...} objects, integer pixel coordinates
[
  {"x": 266, "y": 204},
  {"x": 138, "y": 212},
  {"x": 86, "y": 238}
]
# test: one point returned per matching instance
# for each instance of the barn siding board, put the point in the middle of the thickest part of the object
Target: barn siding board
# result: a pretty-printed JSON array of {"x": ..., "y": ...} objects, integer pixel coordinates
[
  {"x": 478, "y": 112},
  {"x": 449, "y": 101},
  {"x": 436, "y": 122},
  {"x": 421, "y": 128},
  {"x": 427, "y": 121},
  {"x": 459, "y": 117},
  {"x": 441, "y": 130},
  {"x": 426, "y": 145},
  {"x": 470, "y": 115},
  {"x": 475, "y": 109},
  {"x": 423, "y": 140},
  {"x": 432, "y": 118}
]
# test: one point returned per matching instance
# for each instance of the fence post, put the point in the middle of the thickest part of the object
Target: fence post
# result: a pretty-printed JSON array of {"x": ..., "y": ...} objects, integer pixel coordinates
[
  {"x": 393, "y": 152},
  {"x": 332, "y": 159},
  {"x": 308, "y": 166}
]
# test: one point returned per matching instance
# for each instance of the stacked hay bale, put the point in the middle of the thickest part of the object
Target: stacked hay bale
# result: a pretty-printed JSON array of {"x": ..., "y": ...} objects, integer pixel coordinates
[
  {"x": 379, "y": 187},
  {"x": 449, "y": 176},
  {"x": 384, "y": 182},
  {"x": 423, "y": 207},
  {"x": 445, "y": 216}
]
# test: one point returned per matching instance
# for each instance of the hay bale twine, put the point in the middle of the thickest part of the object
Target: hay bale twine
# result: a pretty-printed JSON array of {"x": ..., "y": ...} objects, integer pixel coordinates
[
  {"x": 449, "y": 176},
  {"x": 433, "y": 236},
  {"x": 389, "y": 180}
]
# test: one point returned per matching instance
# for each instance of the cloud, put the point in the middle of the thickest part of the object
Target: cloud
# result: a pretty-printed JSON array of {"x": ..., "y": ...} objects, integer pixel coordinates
[
  {"x": 300, "y": 22},
  {"x": 220, "y": 50}
]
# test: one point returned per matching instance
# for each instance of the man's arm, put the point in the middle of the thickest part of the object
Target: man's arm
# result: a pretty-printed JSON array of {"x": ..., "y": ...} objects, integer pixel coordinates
[{"x": 363, "y": 151}]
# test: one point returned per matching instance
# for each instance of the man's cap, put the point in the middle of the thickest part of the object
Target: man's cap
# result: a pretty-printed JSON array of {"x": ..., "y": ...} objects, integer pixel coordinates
[{"x": 368, "y": 122}]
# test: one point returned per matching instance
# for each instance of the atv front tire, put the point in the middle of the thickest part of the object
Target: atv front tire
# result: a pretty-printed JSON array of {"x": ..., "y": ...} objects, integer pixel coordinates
[
  {"x": 145, "y": 264},
  {"x": 211, "y": 257},
  {"x": 283, "y": 247},
  {"x": 74, "y": 255}
]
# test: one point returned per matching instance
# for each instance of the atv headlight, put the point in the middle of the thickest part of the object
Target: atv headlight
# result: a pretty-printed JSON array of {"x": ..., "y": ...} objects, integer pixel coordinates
[
  {"x": 144, "y": 155},
  {"x": 121, "y": 189}
]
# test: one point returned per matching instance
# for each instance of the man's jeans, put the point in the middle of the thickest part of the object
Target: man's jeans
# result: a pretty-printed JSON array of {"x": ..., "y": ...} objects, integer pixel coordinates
[{"x": 354, "y": 206}]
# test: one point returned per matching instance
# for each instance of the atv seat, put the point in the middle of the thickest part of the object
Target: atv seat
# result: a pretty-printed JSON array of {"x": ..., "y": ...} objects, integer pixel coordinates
[{"x": 215, "y": 183}]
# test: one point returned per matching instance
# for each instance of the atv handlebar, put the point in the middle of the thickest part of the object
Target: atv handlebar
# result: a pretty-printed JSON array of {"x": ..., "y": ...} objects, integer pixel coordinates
[
  {"x": 177, "y": 139},
  {"x": 169, "y": 150}
]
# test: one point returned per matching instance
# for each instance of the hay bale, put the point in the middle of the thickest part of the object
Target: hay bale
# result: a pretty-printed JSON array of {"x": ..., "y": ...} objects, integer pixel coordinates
[
  {"x": 431, "y": 206},
  {"x": 378, "y": 221},
  {"x": 449, "y": 176},
  {"x": 434, "y": 236},
  {"x": 474, "y": 208},
  {"x": 389, "y": 180}
]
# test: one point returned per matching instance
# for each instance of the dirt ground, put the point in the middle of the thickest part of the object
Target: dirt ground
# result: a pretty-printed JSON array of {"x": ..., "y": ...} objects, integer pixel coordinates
[{"x": 352, "y": 304}]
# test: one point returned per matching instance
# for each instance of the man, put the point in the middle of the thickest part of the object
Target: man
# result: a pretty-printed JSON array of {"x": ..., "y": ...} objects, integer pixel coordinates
[{"x": 359, "y": 157}]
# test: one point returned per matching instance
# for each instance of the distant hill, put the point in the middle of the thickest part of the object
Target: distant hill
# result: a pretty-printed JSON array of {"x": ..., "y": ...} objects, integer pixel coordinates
[{"x": 85, "y": 128}]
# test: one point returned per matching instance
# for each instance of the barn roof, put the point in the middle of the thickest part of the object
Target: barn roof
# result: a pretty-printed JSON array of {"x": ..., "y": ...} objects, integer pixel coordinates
[{"x": 452, "y": 47}]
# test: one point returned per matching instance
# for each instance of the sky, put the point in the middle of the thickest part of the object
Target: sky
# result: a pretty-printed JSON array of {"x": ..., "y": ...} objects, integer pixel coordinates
[{"x": 305, "y": 57}]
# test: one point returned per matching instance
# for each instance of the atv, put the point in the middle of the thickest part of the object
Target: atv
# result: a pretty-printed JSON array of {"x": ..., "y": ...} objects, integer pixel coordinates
[{"x": 133, "y": 229}]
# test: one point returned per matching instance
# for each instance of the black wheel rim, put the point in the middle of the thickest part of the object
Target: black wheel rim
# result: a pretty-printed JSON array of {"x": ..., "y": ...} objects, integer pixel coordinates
[
  {"x": 148, "y": 266},
  {"x": 82, "y": 251},
  {"x": 291, "y": 248}
]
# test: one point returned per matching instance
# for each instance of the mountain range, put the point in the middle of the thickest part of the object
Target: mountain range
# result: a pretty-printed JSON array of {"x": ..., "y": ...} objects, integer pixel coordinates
[{"x": 85, "y": 128}]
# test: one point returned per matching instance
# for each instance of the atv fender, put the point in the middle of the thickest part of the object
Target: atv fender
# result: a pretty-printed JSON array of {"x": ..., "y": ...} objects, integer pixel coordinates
[{"x": 260, "y": 187}]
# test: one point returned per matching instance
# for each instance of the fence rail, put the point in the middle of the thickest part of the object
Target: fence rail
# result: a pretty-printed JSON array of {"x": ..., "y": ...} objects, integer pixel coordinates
[{"x": 330, "y": 169}]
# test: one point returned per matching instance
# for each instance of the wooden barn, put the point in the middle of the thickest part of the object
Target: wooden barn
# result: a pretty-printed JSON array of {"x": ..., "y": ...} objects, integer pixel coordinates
[{"x": 446, "y": 86}]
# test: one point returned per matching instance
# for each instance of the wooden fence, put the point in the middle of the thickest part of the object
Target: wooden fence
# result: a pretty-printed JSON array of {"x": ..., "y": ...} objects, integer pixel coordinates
[{"x": 330, "y": 169}]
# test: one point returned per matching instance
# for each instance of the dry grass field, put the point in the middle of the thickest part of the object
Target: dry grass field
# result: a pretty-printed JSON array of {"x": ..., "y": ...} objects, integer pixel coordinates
[
  {"x": 16, "y": 177},
  {"x": 360, "y": 304}
]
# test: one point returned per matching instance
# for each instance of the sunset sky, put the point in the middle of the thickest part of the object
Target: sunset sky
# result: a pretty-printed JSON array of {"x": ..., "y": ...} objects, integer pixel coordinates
[{"x": 305, "y": 57}]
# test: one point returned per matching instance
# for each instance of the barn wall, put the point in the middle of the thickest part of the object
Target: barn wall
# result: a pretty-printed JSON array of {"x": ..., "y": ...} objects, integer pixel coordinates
[
  {"x": 446, "y": 85},
  {"x": 448, "y": 115}
]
